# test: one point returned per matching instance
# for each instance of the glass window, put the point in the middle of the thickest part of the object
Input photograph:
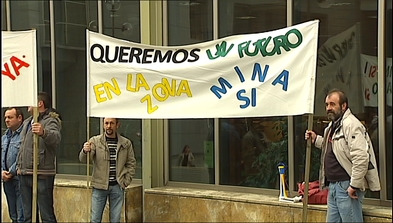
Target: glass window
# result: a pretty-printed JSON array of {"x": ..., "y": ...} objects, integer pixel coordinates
[
  {"x": 388, "y": 122},
  {"x": 4, "y": 17},
  {"x": 251, "y": 148},
  {"x": 250, "y": 16},
  {"x": 71, "y": 20},
  {"x": 132, "y": 130},
  {"x": 189, "y": 21},
  {"x": 300, "y": 126},
  {"x": 121, "y": 19},
  {"x": 347, "y": 59},
  {"x": 191, "y": 150},
  {"x": 3, "y": 28},
  {"x": 35, "y": 14},
  {"x": 194, "y": 26}
]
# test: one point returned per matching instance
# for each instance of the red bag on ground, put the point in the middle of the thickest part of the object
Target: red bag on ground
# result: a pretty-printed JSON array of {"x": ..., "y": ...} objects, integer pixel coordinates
[{"x": 315, "y": 195}]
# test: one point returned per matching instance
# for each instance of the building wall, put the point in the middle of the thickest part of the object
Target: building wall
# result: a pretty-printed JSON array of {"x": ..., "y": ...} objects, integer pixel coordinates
[
  {"x": 71, "y": 203},
  {"x": 194, "y": 205},
  {"x": 173, "y": 204}
]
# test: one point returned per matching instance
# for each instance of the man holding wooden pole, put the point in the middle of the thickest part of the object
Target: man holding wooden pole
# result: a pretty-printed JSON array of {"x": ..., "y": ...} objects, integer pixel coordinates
[
  {"x": 348, "y": 164},
  {"x": 47, "y": 128}
]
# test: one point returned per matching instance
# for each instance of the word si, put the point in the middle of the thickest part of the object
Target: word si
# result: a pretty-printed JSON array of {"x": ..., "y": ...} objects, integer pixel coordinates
[
  {"x": 282, "y": 79},
  {"x": 16, "y": 64},
  {"x": 167, "y": 89}
]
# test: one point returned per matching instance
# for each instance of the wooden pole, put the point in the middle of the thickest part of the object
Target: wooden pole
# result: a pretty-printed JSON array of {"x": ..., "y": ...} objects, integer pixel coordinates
[
  {"x": 88, "y": 196},
  {"x": 35, "y": 167},
  {"x": 307, "y": 170}
]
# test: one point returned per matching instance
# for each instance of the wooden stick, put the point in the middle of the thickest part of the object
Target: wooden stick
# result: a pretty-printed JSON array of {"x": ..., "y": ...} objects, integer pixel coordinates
[
  {"x": 307, "y": 171},
  {"x": 35, "y": 167},
  {"x": 88, "y": 196}
]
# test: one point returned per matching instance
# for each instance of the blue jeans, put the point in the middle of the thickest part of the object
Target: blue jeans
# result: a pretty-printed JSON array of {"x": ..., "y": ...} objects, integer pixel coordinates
[
  {"x": 14, "y": 199},
  {"x": 44, "y": 197},
  {"x": 116, "y": 197},
  {"x": 341, "y": 207}
]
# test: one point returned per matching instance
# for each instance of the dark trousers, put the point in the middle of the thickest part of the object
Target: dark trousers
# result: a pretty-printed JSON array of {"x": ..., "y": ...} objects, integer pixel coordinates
[
  {"x": 14, "y": 199},
  {"x": 44, "y": 197}
]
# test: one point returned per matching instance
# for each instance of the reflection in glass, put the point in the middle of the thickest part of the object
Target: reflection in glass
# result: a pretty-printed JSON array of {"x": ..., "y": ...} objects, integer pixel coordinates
[
  {"x": 132, "y": 130},
  {"x": 230, "y": 136},
  {"x": 250, "y": 150},
  {"x": 389, "y": 90},
  {"x": 251, "y": 16},
  {"x": 347, "y": 56},
  {"x": 121, "y": 19},
  {"x": 189, "y": 21},
  {"x": 4, "y": 17},
  {"x": 191, "y": 141},
  {"x": 300, "y": 125}
]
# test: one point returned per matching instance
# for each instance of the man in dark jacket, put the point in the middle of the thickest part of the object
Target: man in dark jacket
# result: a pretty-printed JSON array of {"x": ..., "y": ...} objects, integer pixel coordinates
[{"x": 48, "y": 130}]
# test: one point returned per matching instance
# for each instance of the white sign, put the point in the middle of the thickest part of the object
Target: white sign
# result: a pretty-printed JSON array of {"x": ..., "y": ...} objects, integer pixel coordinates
[
  {"x": 339, "y": 67},
  {"x": 19, "y": 72},
  {"x": 264, "y": 74},
  {"x": 369, "y": 67}
]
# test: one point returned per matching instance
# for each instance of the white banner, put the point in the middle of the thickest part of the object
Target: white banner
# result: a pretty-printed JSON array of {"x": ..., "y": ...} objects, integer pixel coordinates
[
  {"x": 19, "y": 72},
  {"x": 264, "y": 74},
  {"x": 339, "y": 67},
  {"x": 369, "y": 67}
]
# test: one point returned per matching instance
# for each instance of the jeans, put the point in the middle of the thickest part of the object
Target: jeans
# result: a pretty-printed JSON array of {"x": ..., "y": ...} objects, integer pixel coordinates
[
  {"x": 14, "y": 199},
  {"x": 44, "y": 197},
  {"x": 98, "y": 202},
  {"x": 341, "y": 207}
]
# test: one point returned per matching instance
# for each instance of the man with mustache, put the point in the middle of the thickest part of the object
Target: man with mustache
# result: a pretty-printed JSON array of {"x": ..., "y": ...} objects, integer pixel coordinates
[
  {"x": 113, "y": 170},
  {"x": 348, "y": 164}
]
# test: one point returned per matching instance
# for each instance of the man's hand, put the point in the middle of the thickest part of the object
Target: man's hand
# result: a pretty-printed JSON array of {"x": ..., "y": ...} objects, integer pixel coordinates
[
  {"x": 352, "y": 192},
  {"x": 309, "y": 134},
  {"x": 87, "y": 147},
  {"x": 37, "y": 128},
  {"x": 6, "y": 176}
]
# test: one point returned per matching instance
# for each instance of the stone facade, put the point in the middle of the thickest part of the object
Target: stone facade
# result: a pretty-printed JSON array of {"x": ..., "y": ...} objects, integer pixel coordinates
[
  {"x": 71, "y": 203},
  {"x": 192, "y": 205},
  {"x": 173, "y": 204}
]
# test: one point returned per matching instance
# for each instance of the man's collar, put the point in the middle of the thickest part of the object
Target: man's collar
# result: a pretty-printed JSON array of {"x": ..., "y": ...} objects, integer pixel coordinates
[{"x": 18, "y": 130}]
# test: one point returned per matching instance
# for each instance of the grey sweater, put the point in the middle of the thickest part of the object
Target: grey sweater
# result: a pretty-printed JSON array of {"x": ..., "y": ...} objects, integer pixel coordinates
[{"x": 47, "y": 144}]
